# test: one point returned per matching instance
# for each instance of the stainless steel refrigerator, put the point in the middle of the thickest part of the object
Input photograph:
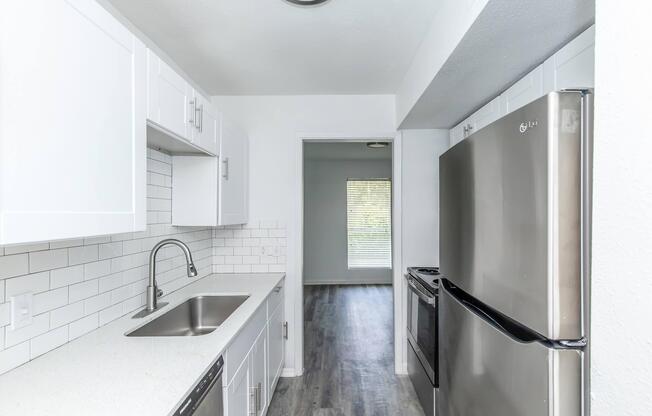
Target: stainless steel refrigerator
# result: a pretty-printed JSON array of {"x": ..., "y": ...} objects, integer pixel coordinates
[{"x": 514, "y": 252}]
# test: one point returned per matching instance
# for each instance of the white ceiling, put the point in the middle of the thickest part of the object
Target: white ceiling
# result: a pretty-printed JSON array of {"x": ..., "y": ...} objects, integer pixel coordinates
[
  {"x": 345, "y": 151},
  {"x": 270, "y": 47}
]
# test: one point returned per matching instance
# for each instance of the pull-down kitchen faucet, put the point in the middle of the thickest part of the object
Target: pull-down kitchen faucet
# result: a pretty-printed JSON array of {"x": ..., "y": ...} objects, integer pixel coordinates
[{"x": 153, "y": 292}]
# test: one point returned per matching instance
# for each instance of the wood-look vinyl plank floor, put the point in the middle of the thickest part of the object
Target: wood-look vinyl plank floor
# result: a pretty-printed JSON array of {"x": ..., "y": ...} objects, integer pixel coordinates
[{"x": 349, "y": 357}]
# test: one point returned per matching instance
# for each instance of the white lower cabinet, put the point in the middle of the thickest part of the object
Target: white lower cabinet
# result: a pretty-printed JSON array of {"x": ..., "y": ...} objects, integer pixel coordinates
[
  {"x": 276, "y": 350},
  {"x": 238, "y": 402},
  {"x": 254, "y": 360}
]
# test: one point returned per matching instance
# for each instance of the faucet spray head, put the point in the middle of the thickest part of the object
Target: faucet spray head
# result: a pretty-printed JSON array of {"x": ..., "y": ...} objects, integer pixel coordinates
[{"x": 192, "y": 270}]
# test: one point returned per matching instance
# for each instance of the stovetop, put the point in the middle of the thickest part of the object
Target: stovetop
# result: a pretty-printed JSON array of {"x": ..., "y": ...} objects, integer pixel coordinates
[{"x": 427, "y": 276}]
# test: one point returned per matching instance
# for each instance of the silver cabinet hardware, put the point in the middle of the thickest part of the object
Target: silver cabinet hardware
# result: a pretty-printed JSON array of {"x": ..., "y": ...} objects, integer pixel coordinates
[
  {"x": 193, "y": 112},
  {"x": 285, "y": 330},
  {"x": 201, "y": 118},
  {"x": 278, "y": 289},
  {"x": 225, "y": 171},
  {"x": 252, "y": 401},
  {"x": 259, "y": 397},
  {"x": 197, "y": 116}
]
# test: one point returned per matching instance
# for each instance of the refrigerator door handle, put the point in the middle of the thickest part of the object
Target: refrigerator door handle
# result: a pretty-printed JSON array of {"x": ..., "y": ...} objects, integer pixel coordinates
[{"x": 506, "y": 325}]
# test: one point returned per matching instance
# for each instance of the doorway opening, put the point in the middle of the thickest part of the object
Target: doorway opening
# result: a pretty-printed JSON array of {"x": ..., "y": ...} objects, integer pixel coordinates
[{"x": 348, "y": 297}]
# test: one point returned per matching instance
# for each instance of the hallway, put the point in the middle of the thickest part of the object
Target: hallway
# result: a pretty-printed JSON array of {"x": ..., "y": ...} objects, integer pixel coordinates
[{"x": 349, "y": 357}]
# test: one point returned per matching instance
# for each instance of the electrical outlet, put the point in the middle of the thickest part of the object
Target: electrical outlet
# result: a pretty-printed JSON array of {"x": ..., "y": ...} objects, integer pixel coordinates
[{"x": 22, "y": 307}]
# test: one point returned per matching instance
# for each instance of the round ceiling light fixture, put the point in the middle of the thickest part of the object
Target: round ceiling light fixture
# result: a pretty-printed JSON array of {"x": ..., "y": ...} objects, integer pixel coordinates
[
  {"x": 377, "y": 145},
  {"x": 306, "y": 2}
]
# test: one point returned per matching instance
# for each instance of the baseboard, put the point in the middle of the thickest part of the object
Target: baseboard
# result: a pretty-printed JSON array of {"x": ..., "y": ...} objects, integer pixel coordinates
[
  {"x": 291, "y": 372},
  {"x": 345, "y": 282}
]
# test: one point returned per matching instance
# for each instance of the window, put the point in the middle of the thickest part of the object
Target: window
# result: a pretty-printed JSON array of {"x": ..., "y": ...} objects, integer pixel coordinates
[{"x": 369, "y": 223}]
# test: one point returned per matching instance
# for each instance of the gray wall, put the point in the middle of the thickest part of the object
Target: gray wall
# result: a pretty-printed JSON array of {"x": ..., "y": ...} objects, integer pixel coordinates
[{"x": 325, "y": 243}]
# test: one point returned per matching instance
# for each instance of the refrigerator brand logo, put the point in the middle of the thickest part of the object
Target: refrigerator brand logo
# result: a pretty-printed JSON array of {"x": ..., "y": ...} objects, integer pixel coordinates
[{"x": 527, "y": 125}]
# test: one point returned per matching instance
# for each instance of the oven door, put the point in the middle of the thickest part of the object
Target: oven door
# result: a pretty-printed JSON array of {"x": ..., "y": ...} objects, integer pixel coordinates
[{"x": 422, "y": 326}]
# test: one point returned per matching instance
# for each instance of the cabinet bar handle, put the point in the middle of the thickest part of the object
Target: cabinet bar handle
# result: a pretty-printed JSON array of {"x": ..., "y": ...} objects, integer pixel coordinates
[
  {"x": 285, "y": 330},
  {"x": 225, "y": 172},
  {"x": 193, "y": 112}
]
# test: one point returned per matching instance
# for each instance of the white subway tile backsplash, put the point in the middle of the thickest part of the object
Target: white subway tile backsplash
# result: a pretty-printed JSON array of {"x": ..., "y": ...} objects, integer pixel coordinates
[
  {"x": 25, "y": 248},
  {"x": 5, "y": 316},
  {"x": 83, "y": 290},
  {"x": 66, "y": 243},
  {"x": 48, "y": 260},
  {"x": 46, "y": 301},
  {"x": 40, "y": 325},
  {"x": 97, "y": 269},
  {"x": 83, "y": 326},
  {"x": 110, "y": 250},
  {"x": 48, "y": 341},
  {"x": 97, "y": 303},
  {"x": 82, "y": 284},
  {"x": 35, "y": 283},
  {"x": 66, "y": 314},
  {"x": 83, "y": 254},
  {"x": 110, "y": 314},
  {"x": 13, "y": 357},
  {"x": 66, "y": 276},
  {"x": 15, "y": 265}
]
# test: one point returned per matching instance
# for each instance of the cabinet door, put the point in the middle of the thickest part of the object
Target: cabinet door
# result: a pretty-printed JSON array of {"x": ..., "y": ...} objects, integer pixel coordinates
[
  {"x": 234, "y": 182},
  {"x": 526, "y": 90},
  {"x": 457, "y": 134},
  {"x": 486, "y": 115},
  {"x": 239, "y": 397},
  {"x": 72, "y": 122},
  {"x": 205, "y": 135},
  {"x": 573, "y": 66},
  {"x": 259, "y": 373},
  {"x": 276, "y": 347},
  {"x": 170, "y": 103}
]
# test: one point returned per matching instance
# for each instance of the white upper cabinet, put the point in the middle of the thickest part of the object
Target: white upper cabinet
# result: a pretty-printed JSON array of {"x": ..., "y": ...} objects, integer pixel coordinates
[
  {"x": 211, "y": 191},
  {"x": 523, "y": 92},
  {"x": 573, "y": 66},
  {"x": 175, "y": 108},
  {"x": 234, "y": 169},
  {"x": 169, "y": 98},
  {"x": 205, "y": 131},
  {"x": 72, "y": 122}
]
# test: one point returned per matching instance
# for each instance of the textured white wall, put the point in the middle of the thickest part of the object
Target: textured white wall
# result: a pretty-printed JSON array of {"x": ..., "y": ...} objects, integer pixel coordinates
[{"x": 621, "y": 337}]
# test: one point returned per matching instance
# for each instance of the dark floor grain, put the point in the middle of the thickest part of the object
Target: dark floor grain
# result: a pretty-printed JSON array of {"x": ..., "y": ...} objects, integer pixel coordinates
[{"x": 349, "y": 358}]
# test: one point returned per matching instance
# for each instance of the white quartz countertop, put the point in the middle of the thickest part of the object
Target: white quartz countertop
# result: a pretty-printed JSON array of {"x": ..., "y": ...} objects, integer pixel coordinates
[{"x": 107, "y": 373}]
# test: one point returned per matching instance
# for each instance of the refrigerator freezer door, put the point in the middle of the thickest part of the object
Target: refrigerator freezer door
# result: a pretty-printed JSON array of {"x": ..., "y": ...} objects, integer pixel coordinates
[
  {"x": 486, "y": 372},
  {"x": 511, "y": 215}
]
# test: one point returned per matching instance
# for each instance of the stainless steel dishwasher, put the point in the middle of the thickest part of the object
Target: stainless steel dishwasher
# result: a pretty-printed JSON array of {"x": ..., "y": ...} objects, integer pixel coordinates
[{"x": 206, "y": 397}]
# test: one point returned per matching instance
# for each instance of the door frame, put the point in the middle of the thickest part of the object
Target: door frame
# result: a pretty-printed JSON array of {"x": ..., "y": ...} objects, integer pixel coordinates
[{"x": 295, "y": 229}]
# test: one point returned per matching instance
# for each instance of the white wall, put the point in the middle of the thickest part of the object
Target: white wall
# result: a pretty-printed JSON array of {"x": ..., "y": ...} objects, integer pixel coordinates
[
  {"x": 325, "y": 241},
  {"x": 451, "y": 21},
  {"x": 420, "y": 195},
  {"x": 274, "y": 124},
  {"x": 621, "y": 337}
]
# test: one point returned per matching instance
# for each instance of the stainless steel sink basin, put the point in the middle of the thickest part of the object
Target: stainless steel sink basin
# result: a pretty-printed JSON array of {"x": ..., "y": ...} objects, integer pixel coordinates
[{"x": 200, "y": 315}]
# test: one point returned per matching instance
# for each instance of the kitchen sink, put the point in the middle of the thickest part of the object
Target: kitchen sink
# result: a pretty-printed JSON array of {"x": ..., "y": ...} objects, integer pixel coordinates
[{"x": 200, "y": 315}]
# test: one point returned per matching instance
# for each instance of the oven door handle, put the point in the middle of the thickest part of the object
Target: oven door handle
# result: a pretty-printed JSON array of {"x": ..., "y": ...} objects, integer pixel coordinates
[{"x": 430, "y": 300}]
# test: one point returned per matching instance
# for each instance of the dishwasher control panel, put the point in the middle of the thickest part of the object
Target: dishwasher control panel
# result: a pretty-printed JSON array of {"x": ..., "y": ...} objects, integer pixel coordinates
[{"x": 197, "y": 394}]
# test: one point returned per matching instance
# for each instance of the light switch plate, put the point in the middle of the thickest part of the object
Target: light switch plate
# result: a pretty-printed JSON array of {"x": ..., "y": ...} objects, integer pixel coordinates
[{"x": 22, "y": 308}]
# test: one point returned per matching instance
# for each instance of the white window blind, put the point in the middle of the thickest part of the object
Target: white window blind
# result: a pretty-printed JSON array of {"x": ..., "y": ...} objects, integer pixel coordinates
[{"x": 369, "y": 223}]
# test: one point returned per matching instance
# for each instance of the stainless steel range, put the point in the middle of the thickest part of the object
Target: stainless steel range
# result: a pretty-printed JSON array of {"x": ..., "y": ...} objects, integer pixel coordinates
[{"x": 422, "y": 326}]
